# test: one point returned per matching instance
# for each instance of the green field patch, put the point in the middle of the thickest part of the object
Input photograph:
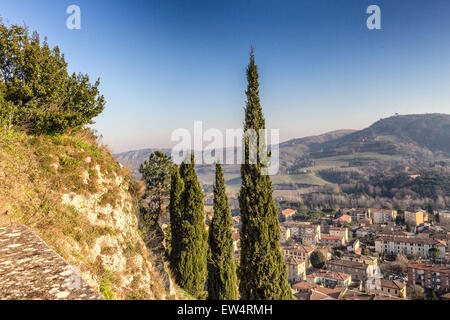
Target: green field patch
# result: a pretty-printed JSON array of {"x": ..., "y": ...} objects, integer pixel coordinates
[{"x": 307, "y": 178}]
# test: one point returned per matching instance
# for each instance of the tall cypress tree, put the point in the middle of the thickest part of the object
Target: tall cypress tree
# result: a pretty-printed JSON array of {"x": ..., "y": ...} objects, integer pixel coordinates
[
  {"x": 191, "y": 267},
  {"x": 263, "y": 274},
  {"x": 175, "y": 209},
  {"x": 222, "y": 279}
]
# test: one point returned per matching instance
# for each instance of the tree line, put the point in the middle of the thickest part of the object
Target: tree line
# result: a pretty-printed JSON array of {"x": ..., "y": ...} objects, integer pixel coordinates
[{"x": 203, "y": 264}]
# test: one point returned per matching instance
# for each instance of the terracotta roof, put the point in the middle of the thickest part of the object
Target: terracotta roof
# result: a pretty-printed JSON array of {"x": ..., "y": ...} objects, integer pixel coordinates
[
  {"x": 317, "y": 295},
  {"x": 337, "y": 229},
  {"x": 410, "y": 240},
  {"x": 330, "y": 275},
  {"x": 392, "y": 284},
  {"x": 334, "y": 293},
  {"x": 356, "y": 295},
  {"x": 347, "y": 264},
  {"x": 299, "y": 247},
  {"x": 430, "y": 267},
  {"x": 303, "y": 285},
  {"x": 288, "y": 212},
  {"x": 344, "y": 217},
  {"x": 330, "y": 237}
]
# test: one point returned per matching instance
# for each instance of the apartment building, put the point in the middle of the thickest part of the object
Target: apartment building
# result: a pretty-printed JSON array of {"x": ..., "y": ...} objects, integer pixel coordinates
[
  {"x": 383, "y": 215},
  {"x": 333, "y": 241},
  {"x": 414, "y": 218},
  {"x": 307, "y": 233},
  {"x": 338, "y": 231},
  {"x": 329, "y": 278},
  {"x": 408, "y": 246},
  {"x": 429, "y": 276}
]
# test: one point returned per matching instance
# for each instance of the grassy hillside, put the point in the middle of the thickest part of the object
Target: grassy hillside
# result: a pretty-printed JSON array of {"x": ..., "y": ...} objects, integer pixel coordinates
[{"x": 75, "y": 196}]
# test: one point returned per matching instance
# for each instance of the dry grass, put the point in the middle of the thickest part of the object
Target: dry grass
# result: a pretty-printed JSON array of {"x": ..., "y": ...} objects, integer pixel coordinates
[{"x": 35, "y": 173}]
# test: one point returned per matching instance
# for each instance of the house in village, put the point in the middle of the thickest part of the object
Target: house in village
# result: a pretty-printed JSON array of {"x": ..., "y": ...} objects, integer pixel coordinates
[
  {"x": 329, "y": 278},
  {"x": 342, "y": 220},
  {"x": 296, "y": 269},
  {"x": 359, "y": 271},
  {"x": 288, "y": 214},
  {"x": 300, "y": 252},
  {"x": 333, "y": 241},
  {"x": 339, "y": 231},
  {"x": 386, "y": 287}
]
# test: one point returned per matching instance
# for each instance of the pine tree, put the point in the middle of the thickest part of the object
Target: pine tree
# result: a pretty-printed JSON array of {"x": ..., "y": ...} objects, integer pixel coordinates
[
  {"x": 192, "y": 251},
  {"x": 263, "y": 273},
  {"x": 175, "y": 209},
  {"x": 222, "y": 279}
]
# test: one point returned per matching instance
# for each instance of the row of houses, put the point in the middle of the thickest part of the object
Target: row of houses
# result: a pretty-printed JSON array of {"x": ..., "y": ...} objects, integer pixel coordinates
[
  {"x": 408, "y": 246},
  {"x": 312, "y": 290},
  {"x": 309, "y": 234},
  {"x": 412, "y": 218}
]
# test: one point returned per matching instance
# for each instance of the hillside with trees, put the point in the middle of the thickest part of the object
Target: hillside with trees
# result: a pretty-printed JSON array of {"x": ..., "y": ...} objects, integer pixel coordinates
[{"x": 61, "y": 183}]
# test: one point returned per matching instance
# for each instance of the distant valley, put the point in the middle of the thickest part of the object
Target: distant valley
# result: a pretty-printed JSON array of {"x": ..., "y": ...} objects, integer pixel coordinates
[{"x": 399, "y": 145}]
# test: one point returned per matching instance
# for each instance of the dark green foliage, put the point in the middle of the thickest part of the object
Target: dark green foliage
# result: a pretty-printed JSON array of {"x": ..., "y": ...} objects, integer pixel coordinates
[
  {"x": 434, "y": 253},
  {"x": 156, "y": 172},
  {"x": 176, "y": 216},
  {"x": 189, "y": 238},
  {"x": 222, "y": 279},
  {"x": 308, "y": 215},
  {"x": 263, "y": 273},
  {"x": 36, "y": 91},
  {"x": 317, "y": 259}
]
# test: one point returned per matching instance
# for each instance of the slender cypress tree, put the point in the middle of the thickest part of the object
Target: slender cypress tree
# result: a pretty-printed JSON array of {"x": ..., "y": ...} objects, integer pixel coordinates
[
  {"x": 263, "y": 274},
  {"x": 175, "y": 205},
  {"x": 222, "y": 279},
  {"x": 191, "y": 268}
]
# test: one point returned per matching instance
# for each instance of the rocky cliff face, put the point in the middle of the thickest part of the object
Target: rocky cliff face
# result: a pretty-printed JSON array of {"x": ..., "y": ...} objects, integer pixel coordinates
[{"x": 72, "y": 193}]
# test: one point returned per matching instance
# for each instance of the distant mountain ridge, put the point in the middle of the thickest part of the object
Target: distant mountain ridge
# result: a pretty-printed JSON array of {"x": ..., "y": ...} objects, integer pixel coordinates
[
  {"x": 420, "y": 134},
  {"x": 417, "y": 137}
]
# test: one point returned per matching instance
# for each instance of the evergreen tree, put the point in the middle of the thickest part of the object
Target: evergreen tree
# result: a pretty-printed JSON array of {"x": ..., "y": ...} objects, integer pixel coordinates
[
  {"x": 37, "y": 90},
  {"x": 317, "y": 259},
  {"x": 156, "y": 172},
  {"x": 222, "y": 279},
  {"x": 175, "y": 205},
  {"x": 263, "y": 273},
  {"x": 193, "y": 244}
]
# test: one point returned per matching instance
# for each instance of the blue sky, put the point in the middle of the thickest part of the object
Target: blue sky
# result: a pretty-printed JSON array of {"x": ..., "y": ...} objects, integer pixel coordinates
[{"x": 164, "y": 64}]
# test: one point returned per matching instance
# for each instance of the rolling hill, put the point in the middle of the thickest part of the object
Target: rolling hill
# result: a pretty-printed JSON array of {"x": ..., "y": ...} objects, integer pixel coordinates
[{"x": 415, "y": 140}]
